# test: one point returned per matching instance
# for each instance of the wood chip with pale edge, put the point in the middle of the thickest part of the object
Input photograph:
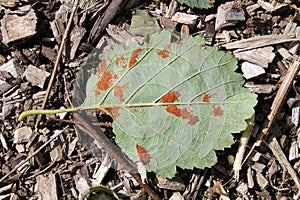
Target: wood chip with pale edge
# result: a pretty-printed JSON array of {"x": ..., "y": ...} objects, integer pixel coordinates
[
  {"x": 170, "y": 184},
  {"x": 260, "y": 56},
  {"x": 36, "y": 76},
  {"x": 12, "y": 67},
  {"x": 251, "y": 70},
  {"x": 176, "y": 196},
  {"x": 185, "y": 18},
  {"x": 46, "y": 186},
  {"x": 22, "y": 134},
  {"x": 18, "y": 29},
  {"x": 260, "y": 41}
]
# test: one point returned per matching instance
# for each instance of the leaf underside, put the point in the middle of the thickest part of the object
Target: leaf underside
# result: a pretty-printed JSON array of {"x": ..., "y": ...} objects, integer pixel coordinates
[
  {"x": 198, "y": 3},
  {"x": 173, "y": 104}
]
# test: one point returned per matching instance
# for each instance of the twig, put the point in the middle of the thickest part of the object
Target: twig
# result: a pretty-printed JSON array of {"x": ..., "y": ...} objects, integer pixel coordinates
[
  {"x": 34, "y": 153},
  {"x": 103, "y": 20},
  {"x": 62, "y": 44},
  {"x": 279, "y": 155},
  {"x": 277, "y": 104}
]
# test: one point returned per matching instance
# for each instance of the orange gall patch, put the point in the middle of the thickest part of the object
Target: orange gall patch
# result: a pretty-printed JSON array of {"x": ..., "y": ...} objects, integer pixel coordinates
[
  {"x": 133, "y": 57},
  {"x": 118, "y": 91},
  {"x": 217, "y": 111},
  {"x": 183, "y": 113},
  {"x": 102, "y": 67},
  {"x": 170, "y": 97},
  {"x": 165, "y": 52},
  {"x": 120, "y": 61},
  {"x": 104, "y": 82},
  {"x": 143, "y": 154},
  {"x": 206, "y": 97}
]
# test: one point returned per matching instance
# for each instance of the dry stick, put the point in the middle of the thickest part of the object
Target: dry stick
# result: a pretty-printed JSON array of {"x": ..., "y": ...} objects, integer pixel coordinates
[
  {"x": 114, "y": 151},
  {"x": 103, "y": 20},
  {"x": 74, "y": 9},
  {"x": 34, "y": 153},
  {"x": 269, "y": 122}
]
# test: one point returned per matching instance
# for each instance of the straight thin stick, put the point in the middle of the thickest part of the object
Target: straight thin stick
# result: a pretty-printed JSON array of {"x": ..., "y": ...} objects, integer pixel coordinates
[{"x": 56, "y": 64}]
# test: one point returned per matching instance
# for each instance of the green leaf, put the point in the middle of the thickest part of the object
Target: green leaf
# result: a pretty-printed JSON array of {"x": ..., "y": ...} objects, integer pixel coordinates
[
  {"x": 173, "y": 104},
  {"x": 198, "y": 3},
  {"x": 143, "y": 24}
]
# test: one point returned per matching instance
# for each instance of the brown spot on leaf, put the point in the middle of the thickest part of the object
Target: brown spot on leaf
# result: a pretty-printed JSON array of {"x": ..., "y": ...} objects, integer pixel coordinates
[
  {"x": 104, "y": 82},
  {"x": 206, "y": 98},
  {"x": 118, "y": 91},
  {"x": 143, "y": 154},
  {"x": 164, "y": 53},
  {"x": 183, "y": 113},
  {"x": 170, "y": 97},
  {"x": 120, "y": 61},
  {"x": 97, "y": 92},
  {"x": 217, "y": 111},
  {"x": 133, "y": 57},
  {"x": 114, "y": 112},
  {"x": 102, "y": 67}
]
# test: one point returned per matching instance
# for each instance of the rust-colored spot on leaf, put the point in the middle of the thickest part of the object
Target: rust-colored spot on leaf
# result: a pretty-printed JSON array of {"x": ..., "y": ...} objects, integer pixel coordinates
[
  {"x": 206, "y": 98},
  {"x": 97, "y": 92},
  {"x": 102, "y": 67},
  {"x": 133, "y": 57},
  {"x": 143, "y": 154},
  {"x": 210, "y": 3},
  {"x": 164, "y": 53},
  {"x": 104, "y": 82},
  {"x": 217, "y": 111},
  {"x": 118, "y": 91},
  {"x": 121, "y": 61},
  {"x": 114, "y": 112},
  {"x": 183, "y": 113},
  {"x": 170, "y": 97}
]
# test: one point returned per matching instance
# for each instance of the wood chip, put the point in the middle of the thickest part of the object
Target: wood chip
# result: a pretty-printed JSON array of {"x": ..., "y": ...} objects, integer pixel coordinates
[
  {"x": 185, "y": 18},
  {"x": 229, "y": 14},
  {"x": 4, "y": 86},
  {"x": 12, "y": 67},
  {"x": 22, "y": 134},
  {"x": 261, "y": 180},
  {"x": 251, "y": 70},
  {"x": 250, "y": 179},
  {"x": 284, "y": 52},
  {"x": 46, "y": 187},
  {"x": 260, "y": 56},
  {"x": 9, "y": 3},
  {"x": 101, "y": 172},
  {"x": 260, "y": 88},
  {"x": 260, "y": 41},
  {"x": 81, "y": 185},
  {"x": 293, "y": 152},
  {"x": 18, "y": 29},
  {"x": 77, "y": 34},
  {"x": 36, "y": 76},
  {"x": 176, "y": 196},
  {"x": 170, "y": 184}
]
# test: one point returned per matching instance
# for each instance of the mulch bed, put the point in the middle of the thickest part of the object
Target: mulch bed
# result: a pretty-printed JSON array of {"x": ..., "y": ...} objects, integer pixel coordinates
[{"x": 43, "y": 157}]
